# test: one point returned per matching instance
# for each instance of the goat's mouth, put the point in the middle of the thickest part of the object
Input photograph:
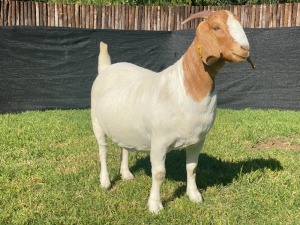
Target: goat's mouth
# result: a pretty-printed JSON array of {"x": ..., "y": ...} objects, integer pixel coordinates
[{"x": 240, "y": 58}]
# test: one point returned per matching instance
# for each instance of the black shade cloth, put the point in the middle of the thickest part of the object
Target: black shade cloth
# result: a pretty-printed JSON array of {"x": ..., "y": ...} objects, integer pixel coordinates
[{"x": 54, "y": 68}]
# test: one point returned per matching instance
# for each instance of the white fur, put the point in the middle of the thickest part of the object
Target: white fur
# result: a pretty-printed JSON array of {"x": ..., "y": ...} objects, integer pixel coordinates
[
  {"x": 236, "y": 31},
  {"x": 143, "y": 110},
  {"x": 148, "y": 104},
  {"x": 147, "y": 111}
]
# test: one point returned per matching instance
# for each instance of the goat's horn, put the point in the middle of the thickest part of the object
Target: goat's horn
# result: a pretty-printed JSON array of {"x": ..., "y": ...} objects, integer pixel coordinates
[{"x": 203, "y": 15}]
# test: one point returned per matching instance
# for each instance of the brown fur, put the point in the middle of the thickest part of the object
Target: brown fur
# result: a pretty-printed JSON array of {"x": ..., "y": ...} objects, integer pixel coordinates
[{"x": 217, "y": 47}]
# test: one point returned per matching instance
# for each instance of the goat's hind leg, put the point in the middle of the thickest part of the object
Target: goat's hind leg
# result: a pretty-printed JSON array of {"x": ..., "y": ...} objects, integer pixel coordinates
[
  {"x": 124, "y": 169},
  {"x": 100, "y": 136}
]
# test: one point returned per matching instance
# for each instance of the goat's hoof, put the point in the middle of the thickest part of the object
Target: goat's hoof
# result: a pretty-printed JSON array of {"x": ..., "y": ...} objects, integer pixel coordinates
[
  {"x": 105, "y": 184},
  {"x": 195, "y": 196},
  {"x": 127, "y": 176},
  {"x": 155, "y": 206}
]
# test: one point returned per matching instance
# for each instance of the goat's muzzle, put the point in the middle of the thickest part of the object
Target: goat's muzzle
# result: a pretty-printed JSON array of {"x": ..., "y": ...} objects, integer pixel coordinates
[{"x": 246, "y": 48}]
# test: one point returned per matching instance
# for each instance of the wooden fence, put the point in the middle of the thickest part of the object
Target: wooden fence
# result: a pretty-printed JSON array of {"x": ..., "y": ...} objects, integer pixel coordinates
[{"x": 14, "y": 13}]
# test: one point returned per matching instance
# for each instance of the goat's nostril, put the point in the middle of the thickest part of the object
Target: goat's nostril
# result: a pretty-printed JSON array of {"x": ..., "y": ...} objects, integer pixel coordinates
[{"x": 245, "y": 47}]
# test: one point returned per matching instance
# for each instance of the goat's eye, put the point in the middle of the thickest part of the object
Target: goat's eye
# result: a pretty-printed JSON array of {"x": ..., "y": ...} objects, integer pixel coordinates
[{"x": 216, "y": 28}]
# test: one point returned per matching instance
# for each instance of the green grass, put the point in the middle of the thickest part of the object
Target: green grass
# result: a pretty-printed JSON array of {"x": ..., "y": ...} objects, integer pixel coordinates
[{"x": 49, "y": 171}]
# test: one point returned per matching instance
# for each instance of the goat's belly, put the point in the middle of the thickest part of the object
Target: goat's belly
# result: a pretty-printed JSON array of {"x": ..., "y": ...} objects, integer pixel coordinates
[
  {"x": 132, "y": 141},
  {"x": 125, "y": 130},
  {"x": 192, "y": 135}
]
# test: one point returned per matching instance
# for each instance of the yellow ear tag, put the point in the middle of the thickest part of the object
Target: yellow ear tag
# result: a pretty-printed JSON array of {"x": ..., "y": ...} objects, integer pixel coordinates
[{"x": 199, "y": 50}]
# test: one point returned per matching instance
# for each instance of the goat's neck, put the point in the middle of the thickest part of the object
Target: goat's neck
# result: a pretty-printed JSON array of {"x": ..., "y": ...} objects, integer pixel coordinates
[{"x": 198, "y": 77}]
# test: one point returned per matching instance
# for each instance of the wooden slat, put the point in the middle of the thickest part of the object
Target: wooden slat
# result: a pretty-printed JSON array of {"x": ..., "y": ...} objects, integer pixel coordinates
[
  {"x": 131, "y": 21},
  {"x": 244, "y": 16},
  {"x": 77, "y": 15},
  {"x": 103, "y": 17},
  {"x": 1, "y": 13},
  {"x": 267, "y": 15},
  {"x": 91, "y": 17},
  {"x": 137, "y": 18},
  {"x": 281, "y": 13},
  {"x": 158, "y": 18},
  {"x": 17, "y": 13},
  {"x": 21, "y": 13},
  {"x": 56, "y": 14},
  {"x": 86, "y": 20},
  {"x": 8, "y": 14},
  {"x": 66, "y": 12},
  {"x": 278, "y": 15},
  {"x": 5, "y": 11},
  {"x": 293, "y": 14},
  {"x": 45, "y": 14},
  {"x": 176, "y": 17},
  {"x": 33, "y": 14},
  {"x": 286, "y": 15},
  {"x": 59, "y": 9},
  {"x": 153, "y": 24},
  {"x": 29, "y": 13},
  {"x": 145, "y": 18},
  {"x": 52, "y": 14},
  {"x": 290, "y": 14},
  {"x": 48, "y": 15},
  {"x": 253, "y": 15},
  {"x": 262, "y": 16},
  {"x": 83, "y": 17},
  {"x": 8, "y": 11},
  {"x": 257, "y": 16},
  {"x": 25, "y": 13},
  {"x": 298, "y": 15},
  {"x": 39, "y": 13},
  {"x": 95, "y": 14},
  {"x": 71, "y": 16},
  {"x": 274, "y": 16},
  {"x": 126, "y": 17},
  {"x": 108, "y": 17},
  {"x": 134, "y": 18},
  {"x": 99, "y": 17},
  {"x": 271, "y": 15},
  {"x": 151, "y": 18},
  {"x": 113, "y": 17},
  {"x": 13, "y": 13},
  {"x": 249, "y": 13},
  {"x": 162, "y": 17}
]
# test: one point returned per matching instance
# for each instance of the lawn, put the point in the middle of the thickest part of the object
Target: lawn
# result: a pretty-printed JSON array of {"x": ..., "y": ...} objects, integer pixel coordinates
[{"x": 248, "y": 173}]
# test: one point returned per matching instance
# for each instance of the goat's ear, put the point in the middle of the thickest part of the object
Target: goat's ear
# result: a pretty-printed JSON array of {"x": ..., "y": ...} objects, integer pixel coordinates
[{"x": 209, "y": 47}]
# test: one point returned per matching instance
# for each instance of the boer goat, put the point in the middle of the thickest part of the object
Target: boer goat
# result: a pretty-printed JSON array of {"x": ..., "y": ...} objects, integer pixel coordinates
[{"x": 147, "y": 111}]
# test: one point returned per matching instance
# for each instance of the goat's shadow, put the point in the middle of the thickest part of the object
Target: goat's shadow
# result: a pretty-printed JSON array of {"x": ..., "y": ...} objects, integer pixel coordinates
[{"x": 210, "y": 171}]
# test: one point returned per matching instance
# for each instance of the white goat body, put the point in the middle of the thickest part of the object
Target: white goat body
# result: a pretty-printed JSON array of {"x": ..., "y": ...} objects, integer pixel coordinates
[
  {"x": 143, "y": 110},
  {"x": 148, "y": 104}
]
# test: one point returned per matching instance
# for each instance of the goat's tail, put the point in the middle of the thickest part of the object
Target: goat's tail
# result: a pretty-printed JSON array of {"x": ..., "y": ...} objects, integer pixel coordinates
[{"x": 104, "y": 58}]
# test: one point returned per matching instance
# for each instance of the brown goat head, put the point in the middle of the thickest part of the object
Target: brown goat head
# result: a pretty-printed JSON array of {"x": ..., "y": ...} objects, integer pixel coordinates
[{"x": 220, "y": 36}]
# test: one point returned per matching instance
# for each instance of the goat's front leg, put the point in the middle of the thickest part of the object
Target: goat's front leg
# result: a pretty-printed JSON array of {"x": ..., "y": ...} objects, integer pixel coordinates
[
  {"x": 124, "y": 169},
  {"x": 157, "y": 157},
  {"x": 192, "y": 155}
]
